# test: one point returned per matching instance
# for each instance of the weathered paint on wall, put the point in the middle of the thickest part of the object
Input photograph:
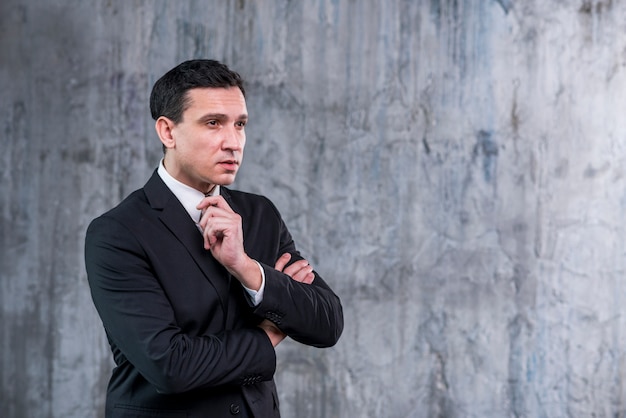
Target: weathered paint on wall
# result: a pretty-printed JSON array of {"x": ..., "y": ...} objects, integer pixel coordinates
[{"x": 455, "y": 168}]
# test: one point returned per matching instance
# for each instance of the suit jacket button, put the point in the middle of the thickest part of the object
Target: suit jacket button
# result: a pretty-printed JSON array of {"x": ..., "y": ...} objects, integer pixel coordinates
[{"x": 234, "y": 409}]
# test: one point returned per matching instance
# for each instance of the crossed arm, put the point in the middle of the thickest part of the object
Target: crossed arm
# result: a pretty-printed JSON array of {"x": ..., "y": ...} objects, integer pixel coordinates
[
  {"x": 223, "y": 236},
  {"x": 299, "y": 271}
]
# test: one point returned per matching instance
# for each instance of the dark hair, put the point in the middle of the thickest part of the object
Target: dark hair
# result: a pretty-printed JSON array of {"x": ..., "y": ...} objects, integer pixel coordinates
[{"x": 169, "y": 94}]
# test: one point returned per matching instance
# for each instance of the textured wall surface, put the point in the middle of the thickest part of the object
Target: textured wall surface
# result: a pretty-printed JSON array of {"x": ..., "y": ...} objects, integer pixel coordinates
[{"x": 454, "y": 168}]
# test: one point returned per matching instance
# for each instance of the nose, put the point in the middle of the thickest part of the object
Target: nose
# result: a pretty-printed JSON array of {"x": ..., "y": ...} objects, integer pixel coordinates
[{"x": 233, "y": 139}]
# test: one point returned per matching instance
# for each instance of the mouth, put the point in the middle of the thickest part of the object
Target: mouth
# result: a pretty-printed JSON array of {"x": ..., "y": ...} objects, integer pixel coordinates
[{"x": 229, "y": 164}]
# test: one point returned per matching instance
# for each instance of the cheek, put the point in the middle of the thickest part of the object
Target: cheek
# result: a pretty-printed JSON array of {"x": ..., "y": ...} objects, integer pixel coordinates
[{"x": 204, "y": 145}]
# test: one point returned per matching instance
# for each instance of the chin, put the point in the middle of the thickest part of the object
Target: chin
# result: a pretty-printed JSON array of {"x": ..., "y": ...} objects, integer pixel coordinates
[{"x": 226, "y": 180}]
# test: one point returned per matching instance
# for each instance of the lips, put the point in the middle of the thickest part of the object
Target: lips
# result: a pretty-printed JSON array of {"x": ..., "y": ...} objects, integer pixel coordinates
[{"x": 229, "y": 164}]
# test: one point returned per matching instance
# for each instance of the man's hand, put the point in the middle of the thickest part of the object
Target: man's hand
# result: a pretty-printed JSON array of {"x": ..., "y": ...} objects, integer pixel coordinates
[
  {"x": 300, "y": 271},
  {"x": 223, "y": 236},
  {"x": 272, "y": 331}
]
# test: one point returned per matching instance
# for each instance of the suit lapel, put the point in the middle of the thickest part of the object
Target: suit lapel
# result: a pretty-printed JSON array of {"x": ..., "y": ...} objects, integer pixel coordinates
[
  {"x": 239, "y": 299},
  {"x": 177, "y": 221}
]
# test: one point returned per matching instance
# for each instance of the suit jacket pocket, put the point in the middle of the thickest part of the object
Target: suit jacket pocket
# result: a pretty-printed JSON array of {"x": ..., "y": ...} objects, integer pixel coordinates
[{"x": 131, "y": 411}]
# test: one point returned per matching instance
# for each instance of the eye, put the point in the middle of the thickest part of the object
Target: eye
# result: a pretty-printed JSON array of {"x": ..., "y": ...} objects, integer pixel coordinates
[
  {"x": 240, "y": 124},
  {"x": 212, "y": 122}
]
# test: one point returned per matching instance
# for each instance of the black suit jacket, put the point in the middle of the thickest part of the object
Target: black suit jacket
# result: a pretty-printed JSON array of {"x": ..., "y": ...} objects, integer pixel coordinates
[{"x": 182, "y": 330}]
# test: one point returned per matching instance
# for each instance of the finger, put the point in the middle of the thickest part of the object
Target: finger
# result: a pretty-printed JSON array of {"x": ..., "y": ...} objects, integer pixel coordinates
[
  {"x": 219, "y": 227},
  {"x": 295, "y": 267},
  {"x": 212, "y": 212},
  {"x": 211, "y": 236},
  {"x": 215, "y": 229},
  {"x": 214, "y": 201},
  {"x": 305, "y": 275},
  {"x": 208, "y": 201},
  {"x": 216, "y": 216},
  {"x": 208, "y": 239},
  {"x": 282, "y": 261},
  {"x": 309, "y": 278}
]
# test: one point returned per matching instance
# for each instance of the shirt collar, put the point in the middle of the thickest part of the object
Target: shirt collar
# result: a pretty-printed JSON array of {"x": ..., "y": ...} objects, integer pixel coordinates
[{"x": 188, "y": 196}]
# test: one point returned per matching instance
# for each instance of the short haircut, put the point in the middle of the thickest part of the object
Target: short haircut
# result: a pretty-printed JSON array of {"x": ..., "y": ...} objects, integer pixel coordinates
[{"x": 169, "y": 95}]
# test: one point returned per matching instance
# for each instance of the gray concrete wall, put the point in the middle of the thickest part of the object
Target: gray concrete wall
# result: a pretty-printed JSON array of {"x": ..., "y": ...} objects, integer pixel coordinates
[{"x": 454, "y": 168}]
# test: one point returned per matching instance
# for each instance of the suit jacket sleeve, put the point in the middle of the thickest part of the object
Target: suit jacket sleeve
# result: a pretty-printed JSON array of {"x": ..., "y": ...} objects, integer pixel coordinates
[
  {"x": 142, "y": 325},
  {"x": 310, "y": 314}
]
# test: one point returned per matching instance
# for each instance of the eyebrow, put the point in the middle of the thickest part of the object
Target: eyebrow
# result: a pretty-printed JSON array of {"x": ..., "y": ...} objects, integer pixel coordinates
[{"x": 221, "y": 116}]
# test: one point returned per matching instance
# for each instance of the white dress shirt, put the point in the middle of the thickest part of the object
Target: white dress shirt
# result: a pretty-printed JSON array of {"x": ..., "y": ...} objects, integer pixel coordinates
[{"x": 190, "y": 198}]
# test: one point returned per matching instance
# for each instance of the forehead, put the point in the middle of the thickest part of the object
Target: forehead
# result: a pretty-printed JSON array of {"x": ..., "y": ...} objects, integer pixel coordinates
[{"x": 228, "y": 101}]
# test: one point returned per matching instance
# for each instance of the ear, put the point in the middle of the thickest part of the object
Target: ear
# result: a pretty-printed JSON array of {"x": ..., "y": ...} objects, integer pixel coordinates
[{"x": 164, "y": 127}]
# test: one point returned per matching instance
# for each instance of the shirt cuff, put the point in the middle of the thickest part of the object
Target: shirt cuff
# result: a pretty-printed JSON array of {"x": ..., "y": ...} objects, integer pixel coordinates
[{"x": 256, "y": 296}]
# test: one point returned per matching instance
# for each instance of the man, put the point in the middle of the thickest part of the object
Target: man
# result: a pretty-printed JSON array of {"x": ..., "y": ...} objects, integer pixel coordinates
[{"x": 197, "y": 284}]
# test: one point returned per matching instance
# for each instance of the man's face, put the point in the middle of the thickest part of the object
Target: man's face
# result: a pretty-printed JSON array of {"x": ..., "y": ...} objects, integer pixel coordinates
[{"x": 206, "y": 146}]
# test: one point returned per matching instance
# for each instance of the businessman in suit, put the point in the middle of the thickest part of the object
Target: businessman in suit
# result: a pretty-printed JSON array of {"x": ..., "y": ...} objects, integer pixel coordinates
[{"x": 196, "y": 284}]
